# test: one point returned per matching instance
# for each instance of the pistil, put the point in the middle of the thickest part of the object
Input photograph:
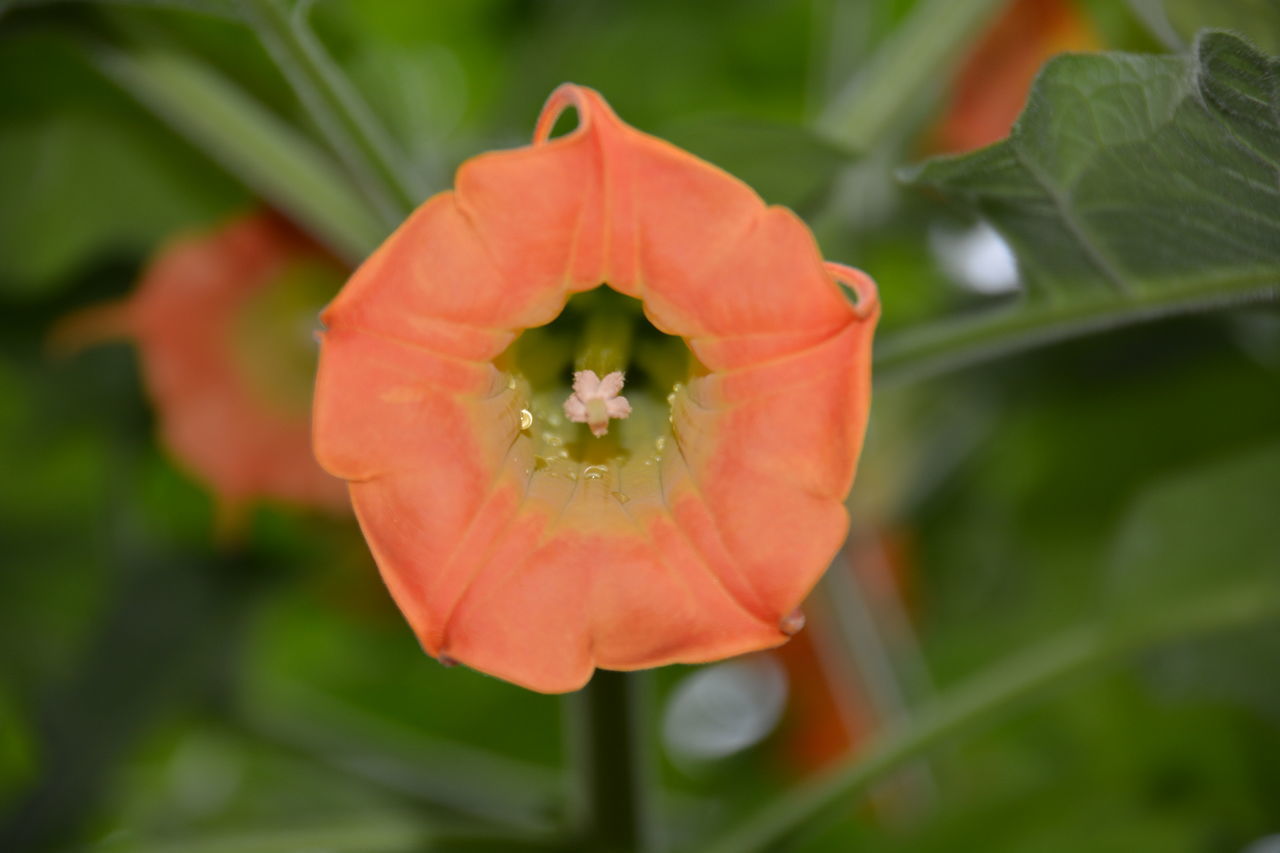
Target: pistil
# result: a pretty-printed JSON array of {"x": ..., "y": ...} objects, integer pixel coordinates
[{"x": 598, "y": 376}]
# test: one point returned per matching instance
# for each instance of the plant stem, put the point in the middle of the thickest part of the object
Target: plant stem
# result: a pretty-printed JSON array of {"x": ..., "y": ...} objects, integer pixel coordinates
[
  {"x": 946, "y": 345},
  {"x": 606, "y": 720},
  {"x": 990, "y": 696},
  {"x": 350, "y": 126}
]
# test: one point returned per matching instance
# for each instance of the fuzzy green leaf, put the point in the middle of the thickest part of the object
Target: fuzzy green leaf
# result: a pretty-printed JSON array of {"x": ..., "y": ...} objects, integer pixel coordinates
[{"x": 1131, "y": 187}]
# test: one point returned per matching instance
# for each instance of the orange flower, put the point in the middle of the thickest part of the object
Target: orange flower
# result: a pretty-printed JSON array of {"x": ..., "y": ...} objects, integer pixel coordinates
[
  {"x": 224, "y": 324},
  {"x": 992, "y": 86},
  {"x": 517, "y": 541}
]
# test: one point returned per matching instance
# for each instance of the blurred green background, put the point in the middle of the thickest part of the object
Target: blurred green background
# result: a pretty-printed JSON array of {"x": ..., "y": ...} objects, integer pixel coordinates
[{"x": 165, "y": 685}]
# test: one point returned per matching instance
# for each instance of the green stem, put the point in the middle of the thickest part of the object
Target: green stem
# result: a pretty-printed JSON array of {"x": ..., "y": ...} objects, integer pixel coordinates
[
  {"x": 347, "y": 122},
  {"x": 949, "y": 345},
  {"x": 606, "y": 733},
  {"x": 899, "y": 76},
  {"x": 990, "y": 696}
]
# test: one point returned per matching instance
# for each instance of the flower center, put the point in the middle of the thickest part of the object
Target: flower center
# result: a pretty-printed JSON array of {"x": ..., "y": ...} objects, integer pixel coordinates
[{"x": 581, "y": 420}]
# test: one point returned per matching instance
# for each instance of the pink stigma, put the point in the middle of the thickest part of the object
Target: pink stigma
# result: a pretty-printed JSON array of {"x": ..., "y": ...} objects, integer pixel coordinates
[{"x": 594, "y": 400}]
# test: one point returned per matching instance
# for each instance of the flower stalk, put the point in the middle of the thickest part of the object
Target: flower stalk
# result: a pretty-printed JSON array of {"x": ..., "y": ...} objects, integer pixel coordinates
[{"x": 608, "y": 745}]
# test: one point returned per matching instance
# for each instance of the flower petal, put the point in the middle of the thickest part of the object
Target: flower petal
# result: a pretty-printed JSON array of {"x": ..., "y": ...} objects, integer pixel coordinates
[
  {"x": 575, "y": 410},
  {"x": 618, "y": 407},
  {"x": 610, "y": 385},
  {"x": 586, "y": 384}
]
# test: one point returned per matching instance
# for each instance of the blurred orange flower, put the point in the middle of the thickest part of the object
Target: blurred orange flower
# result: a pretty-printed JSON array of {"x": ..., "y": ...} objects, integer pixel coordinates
[
  {"x": 832, "y": 710},
  {"x": 225, "y": 323},
  {"x": 992, "y": 86},
  {"x": 513, "y": 538}
]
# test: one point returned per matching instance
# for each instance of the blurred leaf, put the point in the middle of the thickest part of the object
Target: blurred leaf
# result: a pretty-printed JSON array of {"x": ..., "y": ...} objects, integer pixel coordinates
[
  {"x": 381, "y": 834},
  {"x": 1153, "y": 16},
  {"x": 1259, "y": 20},
  {"x": 64, "y": 198},
  {"x": 67, "y": 202},
  {"x": 1199, "y": 557},
  {"x": 991, "y": 694},
  {"x": 420, "y": 93},
  {"x": 168, "y": 629},
  {"x": 198, "y": 785},
  {"x": 394, "y": 758},
  {"x": 216, "y": 8},
  {"x": 786, "y": 164},
  {"x": 354, "y": 132},
  {"x": 261, "y": 149},
  {"x": 911, "y": 64},
  {"x": 1189, "y": 535},
  {"x": 1132, "y": 187},
  {"x": 1209, "y": 527}
]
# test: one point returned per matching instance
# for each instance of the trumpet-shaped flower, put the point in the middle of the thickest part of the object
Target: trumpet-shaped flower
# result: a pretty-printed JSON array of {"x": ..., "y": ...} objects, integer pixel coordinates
[
  {"x": 224, "y": 323},
  {"x": 530, "y": 521}
]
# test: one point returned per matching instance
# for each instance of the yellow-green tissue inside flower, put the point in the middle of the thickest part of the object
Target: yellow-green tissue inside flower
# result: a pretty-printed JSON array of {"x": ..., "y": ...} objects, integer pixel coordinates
[{"x": 602, "y": 331}]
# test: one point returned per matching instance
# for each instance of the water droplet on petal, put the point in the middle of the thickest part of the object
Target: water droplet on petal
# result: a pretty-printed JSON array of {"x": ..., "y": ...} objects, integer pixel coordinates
[
  {"x": 526, "y": 419},
  {"x": 594, "y": 472},
  {"x": 792, "y": 623}
]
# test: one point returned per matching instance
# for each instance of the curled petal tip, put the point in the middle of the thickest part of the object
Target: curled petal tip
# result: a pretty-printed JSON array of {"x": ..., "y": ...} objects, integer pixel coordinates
[{"x": 861, "y": 284}]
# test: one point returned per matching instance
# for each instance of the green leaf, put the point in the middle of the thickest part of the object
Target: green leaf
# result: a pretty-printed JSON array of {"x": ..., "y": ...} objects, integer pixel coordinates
[{"x": 1132, "y": 187}]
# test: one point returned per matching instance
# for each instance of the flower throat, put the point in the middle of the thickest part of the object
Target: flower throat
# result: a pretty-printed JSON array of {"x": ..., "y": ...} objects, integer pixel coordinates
[{"x": 601, "y": 331}]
